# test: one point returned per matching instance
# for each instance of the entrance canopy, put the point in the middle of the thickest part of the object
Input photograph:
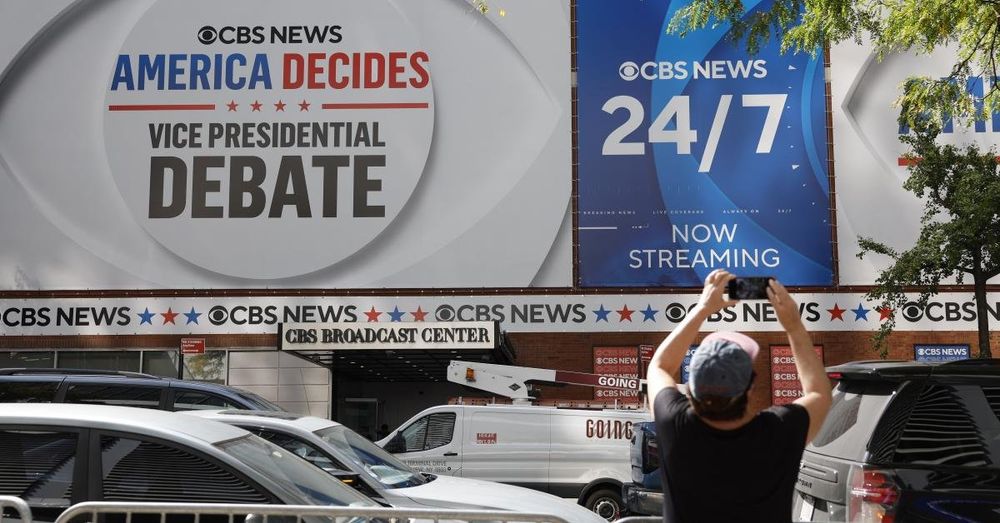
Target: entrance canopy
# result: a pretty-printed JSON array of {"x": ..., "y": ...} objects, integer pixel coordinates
[{"x": 394, "y": 352}]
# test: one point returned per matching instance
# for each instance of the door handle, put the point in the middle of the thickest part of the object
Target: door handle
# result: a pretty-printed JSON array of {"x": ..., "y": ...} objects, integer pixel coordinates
[{"x": 449, "y": 454}]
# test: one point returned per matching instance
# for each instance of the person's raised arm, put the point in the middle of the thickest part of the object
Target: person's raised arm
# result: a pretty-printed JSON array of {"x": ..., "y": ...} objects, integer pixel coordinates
[
  {"x": 816, "y": 389},
  {"x": 670, "y": 354}
]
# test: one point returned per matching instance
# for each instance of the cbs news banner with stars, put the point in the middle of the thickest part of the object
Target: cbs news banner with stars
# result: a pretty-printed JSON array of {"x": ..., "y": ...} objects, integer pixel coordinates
[{"x": 570, "y": 313}]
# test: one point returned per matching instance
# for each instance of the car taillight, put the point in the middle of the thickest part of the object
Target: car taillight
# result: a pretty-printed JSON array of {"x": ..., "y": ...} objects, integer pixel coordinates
[
  {"x": 871, "y": 496},
  {"x": 650, "y": 454}
]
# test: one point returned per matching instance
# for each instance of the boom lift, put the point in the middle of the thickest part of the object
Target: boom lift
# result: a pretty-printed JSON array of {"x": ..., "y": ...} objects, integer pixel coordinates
[{"x": 515, "y": 382}]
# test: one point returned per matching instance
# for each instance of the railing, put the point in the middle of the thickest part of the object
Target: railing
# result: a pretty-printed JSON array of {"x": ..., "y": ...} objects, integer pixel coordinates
[
  {"x": 19, "y": 506},
  {"x": 283, "y": 513},
  {"x": 641, "y": 519}
]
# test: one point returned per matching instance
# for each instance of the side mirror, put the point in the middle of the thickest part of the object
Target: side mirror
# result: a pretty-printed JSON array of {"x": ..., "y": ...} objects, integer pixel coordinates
[{"x": 396, "y": 444}]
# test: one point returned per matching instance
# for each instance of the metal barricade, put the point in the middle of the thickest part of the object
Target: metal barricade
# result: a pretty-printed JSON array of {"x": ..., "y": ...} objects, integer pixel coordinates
[
  {"x": 19, "y": 506},
  {"x": 284, "y": 513}
]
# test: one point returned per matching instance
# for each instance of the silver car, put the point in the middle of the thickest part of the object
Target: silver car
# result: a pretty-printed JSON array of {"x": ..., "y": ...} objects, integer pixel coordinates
[
  {"x": 55, "y": 455},
  {"x": 339, "y": 450}
]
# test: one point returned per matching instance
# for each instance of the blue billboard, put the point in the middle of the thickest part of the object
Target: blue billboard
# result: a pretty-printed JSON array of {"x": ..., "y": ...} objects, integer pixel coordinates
[{"x": 695, "y": 155}]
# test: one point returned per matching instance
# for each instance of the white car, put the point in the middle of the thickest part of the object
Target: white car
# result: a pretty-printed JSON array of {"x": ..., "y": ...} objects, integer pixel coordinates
[
  {"x": 56, "y": 455},
  {"x": 336, "y": 448}
]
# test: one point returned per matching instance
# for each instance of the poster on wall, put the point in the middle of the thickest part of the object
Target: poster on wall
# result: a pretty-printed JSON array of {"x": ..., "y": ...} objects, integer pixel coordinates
[
  {"x": 313, "y": 144},
  {"x": 695, "y": 155},
  {"x": 785, "y": 384},
  {"x": 870, "y": 168},
  {"x": 620, "y": 362}
]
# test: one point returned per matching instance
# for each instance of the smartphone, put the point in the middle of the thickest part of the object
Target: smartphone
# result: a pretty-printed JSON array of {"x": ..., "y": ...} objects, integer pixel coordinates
[{"x": 754, "y": 288}]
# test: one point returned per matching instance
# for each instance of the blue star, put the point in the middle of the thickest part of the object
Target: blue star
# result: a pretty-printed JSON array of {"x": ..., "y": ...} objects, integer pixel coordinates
[
  {"x": 648, "y": 313},
  {"x": 192, "y": 317},
  {"x": 146, "y": 317},
  {"x": 602, "y": 313},
  {"x": 860, "y": 313},
  {"x": 395, "y": 314}
]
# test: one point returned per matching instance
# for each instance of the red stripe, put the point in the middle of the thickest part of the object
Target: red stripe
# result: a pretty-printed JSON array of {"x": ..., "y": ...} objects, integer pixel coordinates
[
  {"x": 387, "y": 105},
  {"x": 906, "y": 162},
  {"x": 162, "y": 107}
]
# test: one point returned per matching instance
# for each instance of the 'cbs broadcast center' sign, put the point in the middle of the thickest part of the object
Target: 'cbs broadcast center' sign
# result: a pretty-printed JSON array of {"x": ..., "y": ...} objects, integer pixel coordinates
[{"x": 352, "y": 336}]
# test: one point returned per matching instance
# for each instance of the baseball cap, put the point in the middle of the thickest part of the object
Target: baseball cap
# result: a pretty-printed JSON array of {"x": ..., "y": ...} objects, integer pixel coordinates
[{"x": 722, "y": 365}]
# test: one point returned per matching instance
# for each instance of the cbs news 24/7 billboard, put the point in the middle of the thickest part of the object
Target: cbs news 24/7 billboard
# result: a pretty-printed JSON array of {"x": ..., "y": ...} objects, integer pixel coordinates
[
  {"x": 695, "y": 155},
  {"x": 250, "y": 143}
]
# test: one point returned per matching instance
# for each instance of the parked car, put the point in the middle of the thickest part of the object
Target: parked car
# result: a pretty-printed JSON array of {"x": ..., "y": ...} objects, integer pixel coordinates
[
  {"x": 338, "y": 449},
  {"x": 571, "y": 453},
  {"x": 643, "y": 496},
  {"x": 906, "y": 441},
  {"x": 127, "y": 389},
  {"x": 57, "y": 455}
]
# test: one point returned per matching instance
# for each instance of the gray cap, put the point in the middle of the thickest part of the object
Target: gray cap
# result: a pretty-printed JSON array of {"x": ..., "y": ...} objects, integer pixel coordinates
[{"x": 722, "y": 365}]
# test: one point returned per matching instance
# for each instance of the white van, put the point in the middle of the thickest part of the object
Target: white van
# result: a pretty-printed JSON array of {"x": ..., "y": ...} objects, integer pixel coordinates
[{"x": 581, "y": 454}]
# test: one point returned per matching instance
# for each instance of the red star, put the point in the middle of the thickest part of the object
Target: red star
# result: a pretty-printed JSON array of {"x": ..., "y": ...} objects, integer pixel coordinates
[
  {"x": 304, "y": 106},
  {"x": 373, "y": 314},
  {"x": 280, "y": 106},
  {"x": 884, "y": 312},
  {"x": 232, "y": 105},
  {"x": 625, "y": 314},
  {"x": 836, "y": 313},
  {"x": 256, "y": 106},
  {"x": 418, "y": 315},
  {"x": 168, "y": 317}
]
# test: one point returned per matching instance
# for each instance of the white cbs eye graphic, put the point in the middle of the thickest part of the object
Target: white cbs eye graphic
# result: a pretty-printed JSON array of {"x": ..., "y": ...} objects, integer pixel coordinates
[
  {"x": 628, "y": 71},
  {"x": 496, "y": 154}
]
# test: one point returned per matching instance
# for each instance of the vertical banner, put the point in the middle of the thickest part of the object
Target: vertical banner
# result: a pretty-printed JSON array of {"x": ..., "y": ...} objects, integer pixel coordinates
[
  {"x": 645, "y": 356},
  {"x": 695, "y": 155},
  {"x": 686, "y": 365},
  {"x": 938, "y": 352},
  {"x": 785, "y": 384},
  {"x": 619, "y": 362}
]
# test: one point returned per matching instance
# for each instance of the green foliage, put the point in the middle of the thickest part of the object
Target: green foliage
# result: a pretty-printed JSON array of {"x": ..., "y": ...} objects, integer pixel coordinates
[
  {"x": 960, "y": 227},
  {"x": 970, "y": 27}
]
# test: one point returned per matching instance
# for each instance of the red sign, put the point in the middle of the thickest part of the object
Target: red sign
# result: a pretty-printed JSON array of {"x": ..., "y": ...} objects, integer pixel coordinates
[
  {"x": 785, "y": 384},
  {"x": 621, "y": 362},
  {"x": 192, "y": 345},
  {"x": 486, "y": 438}
]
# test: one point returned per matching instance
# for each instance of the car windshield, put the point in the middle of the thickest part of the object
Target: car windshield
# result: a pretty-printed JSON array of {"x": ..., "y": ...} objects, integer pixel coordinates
[
  {"x": 302, "y": 482},
  {"x": 378, "y": 463}
]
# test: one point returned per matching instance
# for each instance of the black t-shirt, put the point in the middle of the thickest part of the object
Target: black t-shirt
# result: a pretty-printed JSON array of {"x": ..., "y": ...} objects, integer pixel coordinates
[{"x": 742, "y": 475}]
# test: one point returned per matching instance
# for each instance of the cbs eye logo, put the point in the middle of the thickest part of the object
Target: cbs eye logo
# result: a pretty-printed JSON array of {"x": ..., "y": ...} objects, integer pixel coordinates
[
  {"x": 912, "y": 311},
  {"x": 675, "y": 312},
  {"x": 628, "y": 71},
  {"x": 445, "y": 313},
  {"x": 207, "y": 35}
]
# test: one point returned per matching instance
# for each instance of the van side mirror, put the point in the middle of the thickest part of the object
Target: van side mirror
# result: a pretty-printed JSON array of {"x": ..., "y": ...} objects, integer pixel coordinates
[{"x": 396, "y": 444}]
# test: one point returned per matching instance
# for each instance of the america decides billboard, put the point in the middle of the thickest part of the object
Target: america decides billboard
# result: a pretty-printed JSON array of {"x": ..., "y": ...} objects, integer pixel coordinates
[
  {"x": 695, "y": 155},
  {"x": 251, "y": 144}
]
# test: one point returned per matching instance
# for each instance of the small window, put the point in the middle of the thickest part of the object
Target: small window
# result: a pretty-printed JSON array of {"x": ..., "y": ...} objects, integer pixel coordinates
[
  {"x": 38, "y": 466},
  {"x": 28, "y": 392},
  {"x": 301, "y": 449},
  {"x": 428, "y": 432},
  {"x": 121, "y": 395},
  {"x": 136, "y": 470},
  {"x": 195, "y": 400},
  {"x": 941, "y": 430}
]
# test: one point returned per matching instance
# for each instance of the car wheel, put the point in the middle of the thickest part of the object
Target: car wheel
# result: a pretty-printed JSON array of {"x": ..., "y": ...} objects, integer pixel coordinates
[{"x": 605, "y": 503}]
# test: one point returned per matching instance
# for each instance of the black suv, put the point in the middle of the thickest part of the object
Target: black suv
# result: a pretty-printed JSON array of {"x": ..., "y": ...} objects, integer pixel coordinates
[
  {"x": 127, "y": 389},
  {"x": 904, "y": 442}
]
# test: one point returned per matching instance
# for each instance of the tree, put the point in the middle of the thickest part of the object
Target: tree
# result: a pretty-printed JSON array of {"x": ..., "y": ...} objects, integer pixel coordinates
[
  {"x": 972, "y": 27},
  {"x": 959, "y": 233}
]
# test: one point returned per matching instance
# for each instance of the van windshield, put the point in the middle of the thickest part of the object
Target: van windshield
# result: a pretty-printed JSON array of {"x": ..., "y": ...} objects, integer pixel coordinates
[
  {"x": 379, "y": 464},
  {"x": 302, "y": 482}
]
